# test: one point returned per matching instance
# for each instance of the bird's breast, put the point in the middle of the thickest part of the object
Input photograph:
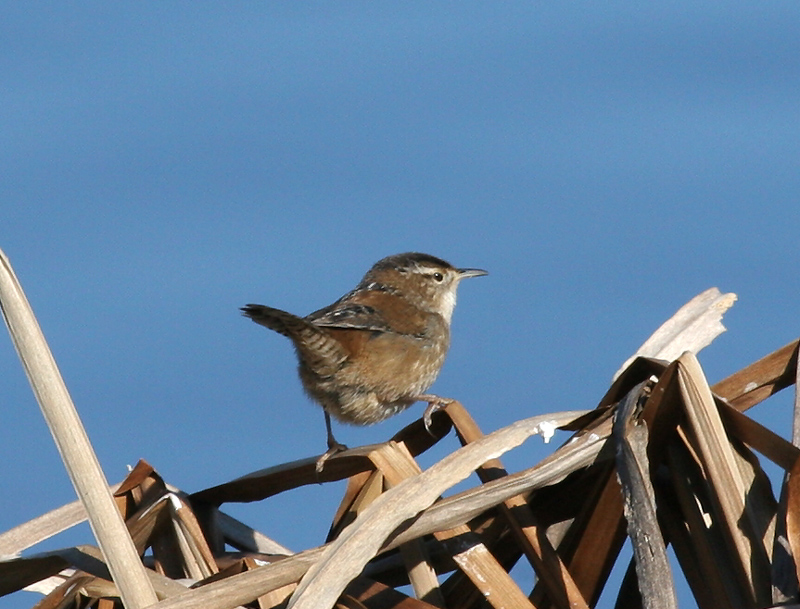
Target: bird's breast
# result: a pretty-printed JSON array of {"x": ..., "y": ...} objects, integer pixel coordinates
[{"x": 398, "y": 365}]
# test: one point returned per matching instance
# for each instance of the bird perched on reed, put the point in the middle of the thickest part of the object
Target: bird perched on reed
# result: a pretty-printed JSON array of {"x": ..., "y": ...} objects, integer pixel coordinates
[{"x": 376, "y": 350}]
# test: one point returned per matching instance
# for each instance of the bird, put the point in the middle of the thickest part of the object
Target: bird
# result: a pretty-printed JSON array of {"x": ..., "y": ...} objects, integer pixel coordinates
[{"x": 377, "y": 349}]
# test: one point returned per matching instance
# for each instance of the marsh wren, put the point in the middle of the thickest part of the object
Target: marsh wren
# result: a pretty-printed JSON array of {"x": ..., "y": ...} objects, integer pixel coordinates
[{"x": 376, "y": 350}]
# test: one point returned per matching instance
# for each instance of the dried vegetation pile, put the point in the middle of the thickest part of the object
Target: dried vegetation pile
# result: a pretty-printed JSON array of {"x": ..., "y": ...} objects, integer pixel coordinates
[{"x": 665, "y": 459}]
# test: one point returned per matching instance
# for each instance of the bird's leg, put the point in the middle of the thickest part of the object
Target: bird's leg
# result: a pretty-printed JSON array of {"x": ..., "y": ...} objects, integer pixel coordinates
[
  {"x": 435, "y": 403},
  {"x": 333, "y": 446}
]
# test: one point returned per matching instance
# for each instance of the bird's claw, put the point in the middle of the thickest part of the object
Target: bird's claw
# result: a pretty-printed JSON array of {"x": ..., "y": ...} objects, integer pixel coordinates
[
  {"x": 435, "y": 404},
  {"x": 333, "y": 448}
]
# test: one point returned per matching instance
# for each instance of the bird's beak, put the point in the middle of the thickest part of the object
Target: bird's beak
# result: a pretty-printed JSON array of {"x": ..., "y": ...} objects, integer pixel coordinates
[{"x": 464, "y": 273}]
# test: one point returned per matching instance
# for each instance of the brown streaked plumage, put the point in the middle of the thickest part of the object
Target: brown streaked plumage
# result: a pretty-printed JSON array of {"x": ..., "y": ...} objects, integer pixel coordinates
[{"x": 376, "y": 350}]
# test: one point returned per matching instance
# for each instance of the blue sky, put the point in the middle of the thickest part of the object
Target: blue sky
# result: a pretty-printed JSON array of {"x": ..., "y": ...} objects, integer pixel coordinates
[{"x": 164, "y": 163}]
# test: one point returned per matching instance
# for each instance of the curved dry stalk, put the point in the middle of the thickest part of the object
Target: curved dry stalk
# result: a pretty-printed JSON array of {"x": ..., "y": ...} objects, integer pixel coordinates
[{"x": 345, "y": 558}]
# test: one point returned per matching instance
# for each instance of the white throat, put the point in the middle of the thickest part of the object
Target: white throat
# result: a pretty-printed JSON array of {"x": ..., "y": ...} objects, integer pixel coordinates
[{"x": 447, "y": 304}]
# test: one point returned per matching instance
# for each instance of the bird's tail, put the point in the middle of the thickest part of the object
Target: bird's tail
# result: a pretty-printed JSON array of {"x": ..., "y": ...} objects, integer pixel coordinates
[{"x": 320, "y": 351}]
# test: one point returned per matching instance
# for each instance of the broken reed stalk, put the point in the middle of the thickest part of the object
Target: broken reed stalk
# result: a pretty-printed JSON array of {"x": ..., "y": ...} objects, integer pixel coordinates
[
  {"x": 692, "y": 328},
  {"x": 656, "y": 585},
  {"x": 73, "y": 444}
]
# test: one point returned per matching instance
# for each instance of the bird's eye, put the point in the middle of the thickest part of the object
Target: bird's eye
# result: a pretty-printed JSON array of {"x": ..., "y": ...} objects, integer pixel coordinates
[{"x": 438, "y": 276}]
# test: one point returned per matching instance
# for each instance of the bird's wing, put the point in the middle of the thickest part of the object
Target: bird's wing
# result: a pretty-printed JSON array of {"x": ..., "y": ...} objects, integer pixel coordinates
[
  {"x": 373, "y": 311},
  {"x": 322, "y": 352},
  {"x": 352, "y": 315}
]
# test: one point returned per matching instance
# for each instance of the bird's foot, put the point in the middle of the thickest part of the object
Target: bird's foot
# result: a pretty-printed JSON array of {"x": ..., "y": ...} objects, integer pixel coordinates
[
  {"x": 334, "y": 447},
  {"x": 435, "y": 403}
]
